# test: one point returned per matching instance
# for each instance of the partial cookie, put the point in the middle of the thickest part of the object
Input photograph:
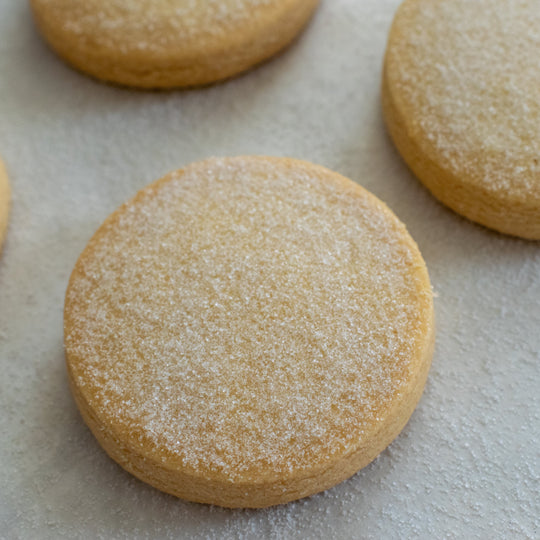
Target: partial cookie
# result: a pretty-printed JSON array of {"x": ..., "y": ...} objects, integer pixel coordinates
[
  {"x": 248, "y": 331},
  {"x": 4, "y": 202},
  {"x": 163, "y": 44},
  {"x": 460, "y": 97}
]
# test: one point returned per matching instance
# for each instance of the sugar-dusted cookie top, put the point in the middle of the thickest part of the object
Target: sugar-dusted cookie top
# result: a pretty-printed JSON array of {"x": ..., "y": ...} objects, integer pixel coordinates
[
  {"x": 159, "y": 43},
  {"x": 462, "y": 103},
  {"x": 261, "y": 327}
]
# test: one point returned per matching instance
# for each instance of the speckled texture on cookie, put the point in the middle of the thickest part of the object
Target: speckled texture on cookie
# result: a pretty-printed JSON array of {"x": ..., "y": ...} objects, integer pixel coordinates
[
  {"x": 159, "y": 44},
  {"x": 461, "y": 100},
  {"x": 252, "y": 321}
]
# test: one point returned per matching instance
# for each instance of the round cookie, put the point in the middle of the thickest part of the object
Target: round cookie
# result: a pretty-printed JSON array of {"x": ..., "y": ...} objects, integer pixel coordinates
[
  {"x": 248, "y": 331},
  {"x": 460, "y": 98},
  {"x": 163, "y": 44},
  {"x": 4, "y": 202}
]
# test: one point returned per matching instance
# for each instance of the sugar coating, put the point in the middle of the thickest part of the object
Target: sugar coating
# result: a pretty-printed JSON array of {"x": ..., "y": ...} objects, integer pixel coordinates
[
  {"x": 156, "y": 24},
  {"x": 243, "y": 316},
  {"x": 469, "y": 72}
]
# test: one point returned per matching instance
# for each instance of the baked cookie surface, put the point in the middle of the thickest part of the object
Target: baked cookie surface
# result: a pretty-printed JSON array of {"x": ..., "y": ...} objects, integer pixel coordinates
[
  {"x": 4, "y": 202},
  {"x": 461, "y": 101},
  {"x": 162, "y": 44},
  {"x": 248, "y": 331}
]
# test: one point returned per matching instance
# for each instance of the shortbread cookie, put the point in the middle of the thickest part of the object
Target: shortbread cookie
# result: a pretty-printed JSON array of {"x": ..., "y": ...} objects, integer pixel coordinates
[
  {"x": 460, "y": 95},
  {"x": 163, "y": 44},
  {"x": 4, "y": 202},
  {"x": 248, "y": 331}
]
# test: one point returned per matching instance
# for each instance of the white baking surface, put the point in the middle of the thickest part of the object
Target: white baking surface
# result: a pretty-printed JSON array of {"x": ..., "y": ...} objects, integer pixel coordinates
[{"x": 468, "y": 463}]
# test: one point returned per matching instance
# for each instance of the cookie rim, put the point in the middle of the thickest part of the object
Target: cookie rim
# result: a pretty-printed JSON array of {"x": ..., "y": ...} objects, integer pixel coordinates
[{"x": 265, "y": 490}]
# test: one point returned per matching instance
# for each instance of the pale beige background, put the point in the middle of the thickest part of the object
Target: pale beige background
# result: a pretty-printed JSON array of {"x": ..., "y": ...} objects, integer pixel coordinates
[{"x": 468, "y": 463}]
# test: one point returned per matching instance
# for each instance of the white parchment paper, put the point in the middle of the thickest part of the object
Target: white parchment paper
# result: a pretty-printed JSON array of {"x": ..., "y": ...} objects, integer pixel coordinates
[{"x": 468, "y": 463}]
